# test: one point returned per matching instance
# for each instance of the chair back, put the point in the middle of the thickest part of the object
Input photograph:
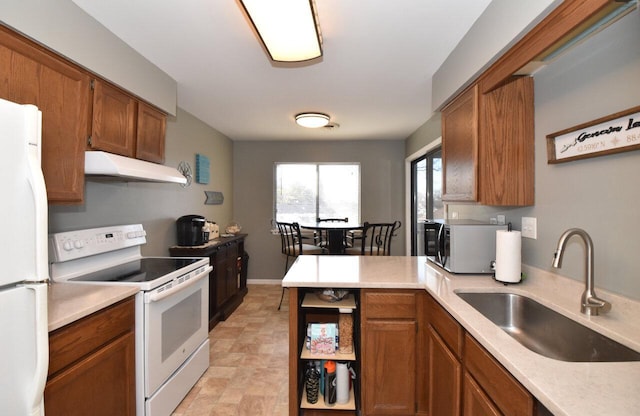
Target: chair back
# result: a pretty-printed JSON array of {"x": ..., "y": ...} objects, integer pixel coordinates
[
  {"x": 345, "y": 219},
  {"x": 290, "y": 238},
  {"x": 376, "y": 238}
]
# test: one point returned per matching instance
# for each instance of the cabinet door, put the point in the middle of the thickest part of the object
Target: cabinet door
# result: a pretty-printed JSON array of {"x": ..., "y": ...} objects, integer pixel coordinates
[
  {"x": 232, "y": 269},
  {"x": 388, "y": 367},
  {"x": 150, "y": 134},
  {"x": 507, "y": 145},
  {"x": 101, "y": 384},
  {"x": 460, "y": 148},
  {"x": 476, "y": 402},
  {"x": 221, "y": 275},
  {"x": 30, "y": 74},
  {"x": 114, "y": 120},
  {"x": 444, "y": 378}
]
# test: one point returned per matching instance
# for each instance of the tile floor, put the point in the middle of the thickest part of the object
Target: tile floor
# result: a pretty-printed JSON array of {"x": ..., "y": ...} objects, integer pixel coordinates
[{"x": 248, "y": 373}]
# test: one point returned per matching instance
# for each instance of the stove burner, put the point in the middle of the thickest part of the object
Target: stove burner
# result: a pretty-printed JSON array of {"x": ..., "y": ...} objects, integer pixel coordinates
[{"x": 141, "y": 270}]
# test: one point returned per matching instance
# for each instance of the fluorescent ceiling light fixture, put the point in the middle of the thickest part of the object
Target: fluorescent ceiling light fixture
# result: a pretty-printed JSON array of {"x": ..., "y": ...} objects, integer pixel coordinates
[
  {"x": 288, "y": 29},
  {"x": 312, "y": 120}
]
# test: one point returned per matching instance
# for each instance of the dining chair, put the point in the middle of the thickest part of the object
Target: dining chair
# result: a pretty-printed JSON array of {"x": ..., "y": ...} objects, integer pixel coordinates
[
  {"x": 292, "y": 246},
  {"x": 322, "y": 237},
  {"x": 376, "y": 239}
]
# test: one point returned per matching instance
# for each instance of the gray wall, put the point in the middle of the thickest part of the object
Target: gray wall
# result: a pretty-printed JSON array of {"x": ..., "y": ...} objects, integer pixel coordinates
[
  {"x": 382, "y": 192},
  {"x": 65, "y": 28},
  {"x": 427, "y": 133},
  {"x": 601, "y": 194},
  {"x": 157, "y": 205},
  {"x": 501, "y": 25}
]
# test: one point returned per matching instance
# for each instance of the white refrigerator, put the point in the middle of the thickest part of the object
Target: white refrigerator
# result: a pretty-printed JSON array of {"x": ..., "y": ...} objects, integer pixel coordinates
[{"x": 24, "y": 349}]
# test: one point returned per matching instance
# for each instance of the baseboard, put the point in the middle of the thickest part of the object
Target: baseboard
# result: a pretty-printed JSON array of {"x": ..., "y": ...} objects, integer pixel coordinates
[{"x": 264, "y": 282}]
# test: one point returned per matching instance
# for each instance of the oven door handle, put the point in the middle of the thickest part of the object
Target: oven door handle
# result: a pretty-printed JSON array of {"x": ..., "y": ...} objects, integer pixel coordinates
[{"x": 156, "y": 297}]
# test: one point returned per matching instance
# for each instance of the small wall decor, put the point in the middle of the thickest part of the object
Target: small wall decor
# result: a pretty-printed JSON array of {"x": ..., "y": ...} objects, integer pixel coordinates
[
  {"x": 202, "y": 169},
  {"x": 615, "y": 133},
  {"x": 213, "y": 198},
  {"x": 185, "y": 169}
]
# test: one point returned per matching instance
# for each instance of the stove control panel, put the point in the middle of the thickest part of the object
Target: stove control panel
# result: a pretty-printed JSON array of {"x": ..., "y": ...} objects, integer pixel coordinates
[{"x": 71, "y": 245}]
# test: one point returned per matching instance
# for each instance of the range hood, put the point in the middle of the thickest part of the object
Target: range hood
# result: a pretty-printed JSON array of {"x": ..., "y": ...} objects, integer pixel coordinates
[{"x": 109, "y": 165}]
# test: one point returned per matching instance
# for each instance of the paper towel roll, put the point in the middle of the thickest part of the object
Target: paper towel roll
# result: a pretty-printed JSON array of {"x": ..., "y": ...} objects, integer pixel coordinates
[
  {"x": 342, "y": 383},
  {"x": 508, "y": 256}
]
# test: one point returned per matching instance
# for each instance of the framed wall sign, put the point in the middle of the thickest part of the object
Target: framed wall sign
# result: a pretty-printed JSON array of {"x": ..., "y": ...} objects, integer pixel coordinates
[{"x": 615, "y": 133}]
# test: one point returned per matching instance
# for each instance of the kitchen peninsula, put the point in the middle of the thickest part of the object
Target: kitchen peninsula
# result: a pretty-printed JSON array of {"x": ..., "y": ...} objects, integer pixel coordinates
[{"x": 457, "y": 344}]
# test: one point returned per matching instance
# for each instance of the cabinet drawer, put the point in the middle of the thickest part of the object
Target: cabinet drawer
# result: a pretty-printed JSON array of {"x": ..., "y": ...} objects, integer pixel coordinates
[
  {"x": 505, "y": 391},
  {"x": 446, "y": 326},
  {"x": 74, "y": 341},
  {"x": 386, "y": 304}
]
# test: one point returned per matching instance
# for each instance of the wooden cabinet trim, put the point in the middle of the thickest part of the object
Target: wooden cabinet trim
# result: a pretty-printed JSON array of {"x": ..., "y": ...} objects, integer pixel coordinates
[
  {"x": 505, "y": 391},
  {"x": 565, "y": 18}
]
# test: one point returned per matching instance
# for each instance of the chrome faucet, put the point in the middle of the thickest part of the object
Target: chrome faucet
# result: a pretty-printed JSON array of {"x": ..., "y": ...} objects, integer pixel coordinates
[{"x": 590, "y": 303}]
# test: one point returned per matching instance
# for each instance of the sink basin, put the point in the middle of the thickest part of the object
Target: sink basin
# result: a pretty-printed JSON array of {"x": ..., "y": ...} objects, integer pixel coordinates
[{"x": 545, "y": 331}]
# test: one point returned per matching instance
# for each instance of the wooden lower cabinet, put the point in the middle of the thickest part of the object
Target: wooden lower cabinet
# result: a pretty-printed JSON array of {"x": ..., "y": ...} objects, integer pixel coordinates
[
  {"x": 445, "y": 371},
  {"x": 476, "y": 402},
  {"x": 389, "y": 331},
  {"x": 92, "y": 365},
  {"x": 464, "y": 378}
]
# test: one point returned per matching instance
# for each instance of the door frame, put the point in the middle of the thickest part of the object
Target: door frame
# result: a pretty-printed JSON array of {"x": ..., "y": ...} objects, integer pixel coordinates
[{"x": 407, "y": 189}]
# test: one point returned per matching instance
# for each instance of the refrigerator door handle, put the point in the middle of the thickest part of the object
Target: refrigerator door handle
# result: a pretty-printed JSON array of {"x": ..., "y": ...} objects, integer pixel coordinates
[
  {"x": 35, "y": 179},
  {"x": 36, "y": 390}
]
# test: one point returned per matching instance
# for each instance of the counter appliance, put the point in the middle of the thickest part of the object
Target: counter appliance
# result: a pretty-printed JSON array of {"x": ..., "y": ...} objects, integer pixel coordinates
[
  {"x": 24, "y": 349},
  {"x": 190, "y": 230},
  {"x": 464, "y": 246}
]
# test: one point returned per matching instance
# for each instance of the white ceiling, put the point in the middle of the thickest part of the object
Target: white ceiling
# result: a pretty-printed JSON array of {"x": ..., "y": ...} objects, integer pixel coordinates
[{"x": 374, "y": 78}]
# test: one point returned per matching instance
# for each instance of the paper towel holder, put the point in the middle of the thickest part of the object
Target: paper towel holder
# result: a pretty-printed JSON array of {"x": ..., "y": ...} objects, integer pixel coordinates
[{"x": 493, "y": 264}]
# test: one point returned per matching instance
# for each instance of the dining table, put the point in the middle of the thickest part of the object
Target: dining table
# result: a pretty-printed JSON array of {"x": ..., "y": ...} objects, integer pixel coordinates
[{"x": 336, "y": 233}]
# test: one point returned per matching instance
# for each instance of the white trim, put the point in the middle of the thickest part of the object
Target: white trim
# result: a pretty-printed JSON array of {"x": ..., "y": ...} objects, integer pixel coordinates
[
  {"x": 407, "y": 191},
  {"x": 264, "y": 282}
]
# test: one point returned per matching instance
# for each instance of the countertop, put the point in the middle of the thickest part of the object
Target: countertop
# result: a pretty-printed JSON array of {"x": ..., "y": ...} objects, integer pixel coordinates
[
  {"x": 565, "y": 388},
  {"x": 69, "y": 302}
]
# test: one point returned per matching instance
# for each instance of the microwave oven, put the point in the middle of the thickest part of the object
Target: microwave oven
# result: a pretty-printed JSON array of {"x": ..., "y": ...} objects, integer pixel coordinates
[{"x": 462, "y": 246}]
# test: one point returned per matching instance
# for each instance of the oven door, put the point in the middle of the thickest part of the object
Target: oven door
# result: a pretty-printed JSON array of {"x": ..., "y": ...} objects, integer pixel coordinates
[{"x": 175, "y": 325}]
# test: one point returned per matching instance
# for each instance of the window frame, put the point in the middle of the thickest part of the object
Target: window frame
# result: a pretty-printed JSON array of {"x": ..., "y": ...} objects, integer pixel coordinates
[{"x": 317, "y": 202}]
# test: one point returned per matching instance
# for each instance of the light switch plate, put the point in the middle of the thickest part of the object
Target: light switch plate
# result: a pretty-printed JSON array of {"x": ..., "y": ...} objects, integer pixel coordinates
[{"x": 530, "y": 227}]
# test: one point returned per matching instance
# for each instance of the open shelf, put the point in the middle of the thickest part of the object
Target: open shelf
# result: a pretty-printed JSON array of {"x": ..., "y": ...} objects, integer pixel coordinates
[
  {"x": 350, "y": 405},
  {"x": 312, "y": 301},
  {"x": 338, "y": 356}
]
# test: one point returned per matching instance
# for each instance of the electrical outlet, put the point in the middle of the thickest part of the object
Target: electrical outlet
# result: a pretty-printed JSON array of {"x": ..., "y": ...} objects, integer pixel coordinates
[
  {"x": 502, "y": 220},
  {"x": 454, "y": 215},
  {"x": 530, "y": 227}
]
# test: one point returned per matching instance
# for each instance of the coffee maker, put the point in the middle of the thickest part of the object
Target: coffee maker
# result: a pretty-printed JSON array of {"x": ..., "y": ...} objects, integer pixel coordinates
[{"x": 190, "y": 230}]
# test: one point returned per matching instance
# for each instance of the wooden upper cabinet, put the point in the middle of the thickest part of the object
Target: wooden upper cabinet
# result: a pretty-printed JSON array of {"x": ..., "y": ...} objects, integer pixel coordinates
[
  {"x": 29, "y": 74},
  {"x": 150, "y": 137},
  {"x": 460, "y": 148},
  {"x": 114, "y": 120},
  {"x": 488, "y": 146},
  {"x": 126, "y": 126},
  {"x": 507, "y": 150}
]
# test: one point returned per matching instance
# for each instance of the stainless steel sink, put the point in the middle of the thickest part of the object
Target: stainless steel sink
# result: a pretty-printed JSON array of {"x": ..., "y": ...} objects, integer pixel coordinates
[{"x": 545, "y": 331}]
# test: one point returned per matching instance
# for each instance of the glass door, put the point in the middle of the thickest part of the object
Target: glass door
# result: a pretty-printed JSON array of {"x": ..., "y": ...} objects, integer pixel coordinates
[{"x": 426, "y": 197}]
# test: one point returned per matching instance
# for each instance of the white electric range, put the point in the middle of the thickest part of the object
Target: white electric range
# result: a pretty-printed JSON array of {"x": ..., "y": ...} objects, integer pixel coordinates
[{"x": 172, "y": 344}]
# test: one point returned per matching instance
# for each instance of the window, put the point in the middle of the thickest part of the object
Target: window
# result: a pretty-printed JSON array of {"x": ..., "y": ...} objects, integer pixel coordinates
[
  {"x": 306, "y": 191},
  {"x": 426, "y": 196}
]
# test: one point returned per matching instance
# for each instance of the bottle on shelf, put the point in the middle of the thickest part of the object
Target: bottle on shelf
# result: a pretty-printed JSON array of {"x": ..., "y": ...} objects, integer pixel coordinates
[{"x": 330, "y": 383}]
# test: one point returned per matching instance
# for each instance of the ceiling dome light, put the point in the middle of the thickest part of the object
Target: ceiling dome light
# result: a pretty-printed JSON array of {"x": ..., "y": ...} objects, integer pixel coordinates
[{"x": 312, "y": 120}]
